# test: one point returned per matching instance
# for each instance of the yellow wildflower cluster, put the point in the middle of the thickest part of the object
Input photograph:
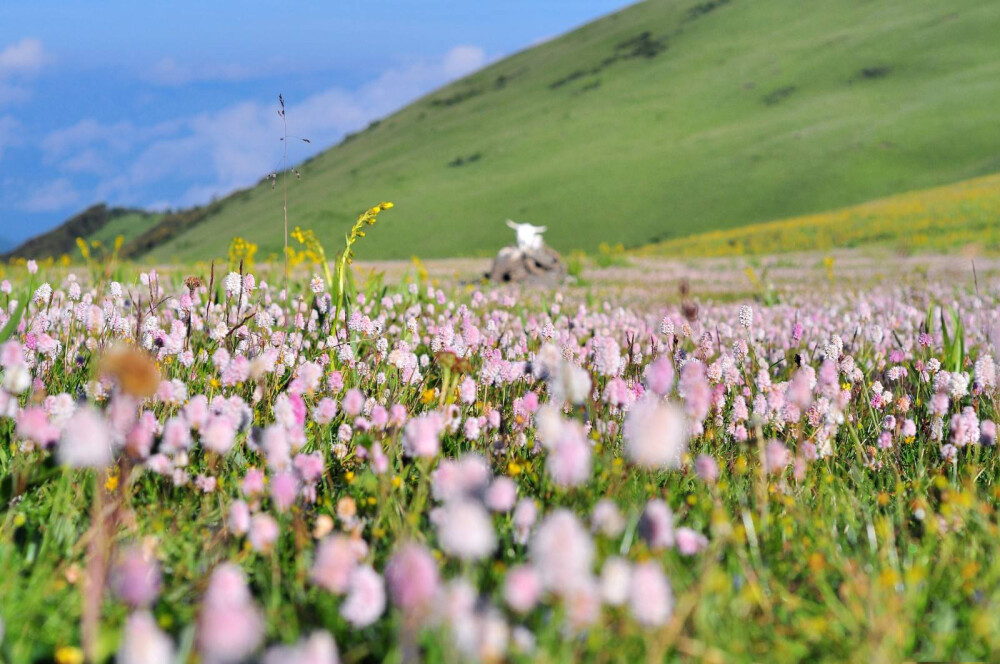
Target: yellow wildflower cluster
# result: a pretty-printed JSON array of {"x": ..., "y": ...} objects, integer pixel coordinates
[
  {"x": 944, "y": 217},
  {"x": 241, "y": 250}
]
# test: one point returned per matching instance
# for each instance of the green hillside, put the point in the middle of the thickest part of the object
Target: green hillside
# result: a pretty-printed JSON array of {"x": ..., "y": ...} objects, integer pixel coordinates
[
  {"x": 669, "y": 118},
  {"x": 99, "y": 225}
]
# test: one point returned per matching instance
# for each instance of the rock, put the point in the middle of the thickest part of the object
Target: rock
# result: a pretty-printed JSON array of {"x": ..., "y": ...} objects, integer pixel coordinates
[{"x": 540, "y": 267}]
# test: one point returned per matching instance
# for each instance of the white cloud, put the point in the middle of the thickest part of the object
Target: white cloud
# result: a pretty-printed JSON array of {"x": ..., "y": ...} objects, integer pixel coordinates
[
  {"x": 19, "y": 61},
  {"x": 24, "y": 58},
  {"x": 9, "y": 127},
  {"x": 217, "y": 152},
  {"x": 169, "y": 72},
  {"x": 51, "y": 197}
]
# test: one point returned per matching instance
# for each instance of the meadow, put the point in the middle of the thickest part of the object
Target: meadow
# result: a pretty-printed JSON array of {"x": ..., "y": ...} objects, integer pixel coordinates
[{"x": 225, "y": 463}]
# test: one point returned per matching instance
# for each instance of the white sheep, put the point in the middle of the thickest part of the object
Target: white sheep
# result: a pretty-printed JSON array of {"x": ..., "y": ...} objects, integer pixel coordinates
[{"x": 529, "y": 237}]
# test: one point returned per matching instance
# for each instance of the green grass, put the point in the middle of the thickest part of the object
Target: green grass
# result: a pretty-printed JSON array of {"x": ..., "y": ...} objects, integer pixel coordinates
[
  {"x": 129, "y": 226},
  {"x": 753, "y": 111},
  {"x": 965, "y": 214}
]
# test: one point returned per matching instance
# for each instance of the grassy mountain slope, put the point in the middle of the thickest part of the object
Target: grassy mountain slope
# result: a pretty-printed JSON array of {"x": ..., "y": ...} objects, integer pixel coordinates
[
  {"x": 98, "y": 223},
  {"x": 956, "y": 215},
  {"x": 668, "y": 118}
]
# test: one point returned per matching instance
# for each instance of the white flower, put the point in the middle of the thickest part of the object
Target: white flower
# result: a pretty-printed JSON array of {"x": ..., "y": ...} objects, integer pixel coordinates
[
  {"x": 655, "y": 434},
  {"x": 143, "y": 642},
  {"x": 234, "y": 284},
  {"x": 16, "y": 379},
  {"x": 42, "y": 294},
  {"x": 86, "y": 440},
  {"x": 615, "y": 577},
  {"x": 465, "y": 530}
]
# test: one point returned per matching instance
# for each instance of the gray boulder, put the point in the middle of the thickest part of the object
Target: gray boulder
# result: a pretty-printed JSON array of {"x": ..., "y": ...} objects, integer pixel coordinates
[{"x": 541, "y": 266}]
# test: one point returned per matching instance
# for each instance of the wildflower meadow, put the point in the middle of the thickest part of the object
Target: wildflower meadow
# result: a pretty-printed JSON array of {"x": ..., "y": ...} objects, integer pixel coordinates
[{"x": 227, "y": 463}]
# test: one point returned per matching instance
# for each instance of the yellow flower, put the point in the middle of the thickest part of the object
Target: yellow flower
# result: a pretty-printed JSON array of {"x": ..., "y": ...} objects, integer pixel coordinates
[
  {"x": 69, "y": 655},
  {"x": 112, "y": 483},
  {"x": 514, "y": 468}
]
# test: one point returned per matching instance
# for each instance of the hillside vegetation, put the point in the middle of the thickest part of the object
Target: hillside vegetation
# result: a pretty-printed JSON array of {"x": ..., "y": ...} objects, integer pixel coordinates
[
  {"x": 663, "y": 120},
  {"x": 966, "y": 213},
  {"x": 98, "y": 225}
]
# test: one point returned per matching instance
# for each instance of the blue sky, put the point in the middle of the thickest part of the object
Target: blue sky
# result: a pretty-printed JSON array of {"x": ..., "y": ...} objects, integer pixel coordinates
[{"x": 166, "y": 104}]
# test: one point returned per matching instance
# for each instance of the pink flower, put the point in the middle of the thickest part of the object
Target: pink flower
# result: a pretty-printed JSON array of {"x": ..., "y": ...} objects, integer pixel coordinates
[
  {"x": 239, "y": 518},
  {"x": 659, "y": 376},
  {"x": 616, "y": 392},
  {"x": 568, "y": 459},
  {"x": 318, "y": 648},
  {"x": 776, "y": 457},
  {"x": 607, "y": 518},
  {"x": 33, "y": 424},
  {"x": 525, "y": 513},
  {"x": 467, "y": 390},
  {"x": 707, "y": 468},
  {"x": 420, "y": 437},
  {"x": 501, "y": 495},
  {"x": 283, "y": 489},
  {"x": 353, "y": 402},
  {"x": 196, "y": 411},
  {"x": 86, "y": 440},
  {"x": 656, "y": 525},
  {"x": 335, "y": 382},
  {"x": 562, "y": 552},
  {"x": 336, "y": 558},
  {"x": 11, "y": 354},
  {"x": 230, "y": 626},
  {"x": 253, "y": 483},
  {"x": 263, "y": 532},
  {"x": 689, "y": 542},
  {"x": 176, "y": 436},
  {"x": 365, "y": 597},
  {"x": 650, "y": 599},
  {"x": 218, "y": 434},
  {"x": 309, "y": 466},
  {"x": 522, "y": 588},
  {"x": 694, "y": 387},
  {"x": 136, "y": 577},
  {"x": 412, "y": 576},
  {"x": 988, "y": 432},
  {"x": 325, "y": 411}
]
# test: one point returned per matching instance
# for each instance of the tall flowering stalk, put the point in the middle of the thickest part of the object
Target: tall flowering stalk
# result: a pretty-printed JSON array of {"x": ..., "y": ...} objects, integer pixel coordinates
[{"x": 341, "y": 281}]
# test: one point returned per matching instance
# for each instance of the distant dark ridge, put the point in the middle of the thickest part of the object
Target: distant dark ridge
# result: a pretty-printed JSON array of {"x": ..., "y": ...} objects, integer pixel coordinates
[
  {"x": 175, "y": 223},
  {"x": 62, "y": 239}
]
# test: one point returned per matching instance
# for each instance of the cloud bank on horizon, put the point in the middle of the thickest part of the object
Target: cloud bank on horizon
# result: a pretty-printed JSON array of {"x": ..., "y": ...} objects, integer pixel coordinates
[{"x": 175, "y": 129}]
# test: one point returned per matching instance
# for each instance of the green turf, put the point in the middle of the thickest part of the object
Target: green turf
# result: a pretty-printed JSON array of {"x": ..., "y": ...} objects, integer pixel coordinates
[
  {"x": 129, "y": 225},
  {"x": 753, "y": 111}
]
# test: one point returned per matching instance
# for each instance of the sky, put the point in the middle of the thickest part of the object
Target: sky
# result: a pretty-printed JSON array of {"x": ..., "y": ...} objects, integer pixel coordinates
[{"x": 166, "y": 104}]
